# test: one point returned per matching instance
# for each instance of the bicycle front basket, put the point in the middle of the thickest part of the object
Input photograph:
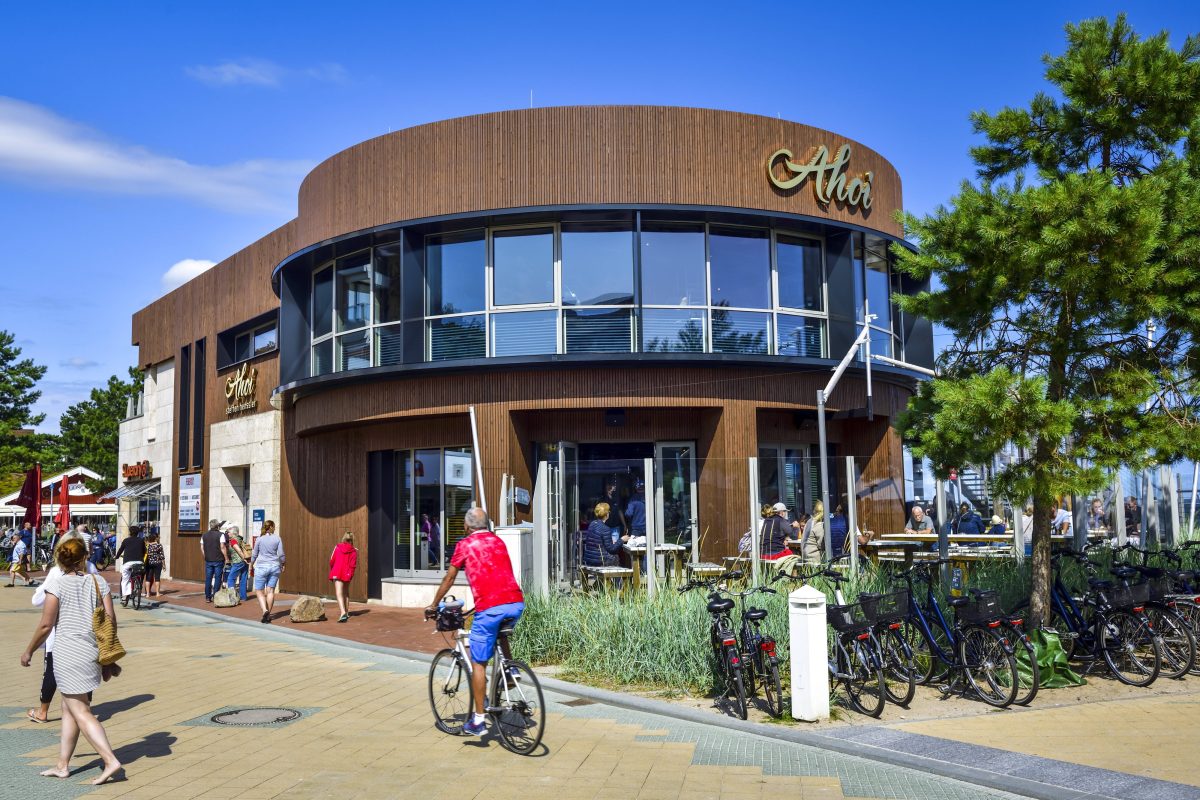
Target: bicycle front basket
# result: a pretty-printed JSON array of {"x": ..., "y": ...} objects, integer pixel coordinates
[
  {"x": 450, "y": 619},
  {"x": 885, "y": 608},
  {"x": 847, "y": 618},
  {"x": 983, "y": 607},
  {"x": 1159, "y": 588},
  {"x": 1128, "y": 596}
]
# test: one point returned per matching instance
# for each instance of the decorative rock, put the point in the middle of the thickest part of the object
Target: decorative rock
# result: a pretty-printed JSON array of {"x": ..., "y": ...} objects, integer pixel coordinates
[{"x": 307, "y": 609}]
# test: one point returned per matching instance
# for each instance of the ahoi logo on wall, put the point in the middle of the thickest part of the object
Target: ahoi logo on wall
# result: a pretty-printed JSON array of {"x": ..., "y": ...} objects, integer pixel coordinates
[
  {"x": 830, "y": 176},
  {"x": 240, "y": 390}
]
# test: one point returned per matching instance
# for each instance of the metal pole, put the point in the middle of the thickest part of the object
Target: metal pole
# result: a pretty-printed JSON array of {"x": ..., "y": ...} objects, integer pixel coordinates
[
  {"x": 824, "y": 448},
  {"x": 652, "y": 490},
  {"x": 867, "y": 352},
  {"x": 943, "y": 539},
  {"x": 478, "y": 460},
  {"x": 1192, "y": 509},
  {"x": 852, "y": 513},
  {"x": 1118, "y": 511},
  {"x": 1018, "y": 532},
  {"x": 755, "y": 520}
]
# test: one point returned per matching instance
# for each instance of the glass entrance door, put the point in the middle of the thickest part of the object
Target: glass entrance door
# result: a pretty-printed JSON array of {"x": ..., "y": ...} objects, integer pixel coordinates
[
  {"x": 675, "y": 472},
  {"x": 567, "y": 560}
]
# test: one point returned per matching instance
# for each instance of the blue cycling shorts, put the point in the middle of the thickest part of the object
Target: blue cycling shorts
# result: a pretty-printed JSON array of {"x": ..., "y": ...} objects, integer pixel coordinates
[{"x": 486, "y": 628}]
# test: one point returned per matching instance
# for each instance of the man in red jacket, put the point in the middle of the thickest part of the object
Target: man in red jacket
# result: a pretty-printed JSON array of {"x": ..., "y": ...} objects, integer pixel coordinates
[{"x": 497, "y": 596}]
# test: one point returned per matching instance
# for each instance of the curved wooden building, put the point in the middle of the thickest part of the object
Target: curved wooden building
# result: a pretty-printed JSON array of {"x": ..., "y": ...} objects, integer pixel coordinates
[{"x": 601, "y": 284}]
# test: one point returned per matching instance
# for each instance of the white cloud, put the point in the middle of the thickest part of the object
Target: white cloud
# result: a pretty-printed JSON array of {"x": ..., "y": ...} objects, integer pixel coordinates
[
  {"x": 183, "y": 271},
  {"x": 248, "y": 72},
  {"x": 77, "y": 362},
  {"x": 262, "y": 73},
  {"x": 39, "y": 146}
]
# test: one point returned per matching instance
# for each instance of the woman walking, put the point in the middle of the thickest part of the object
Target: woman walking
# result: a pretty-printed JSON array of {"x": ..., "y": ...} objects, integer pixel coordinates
[
  {"x": 268, "y": 559},
  {"x": 155, "y": 558},
  {"x": 342, "y": 563},
  {"x": 70, "y": 602}
]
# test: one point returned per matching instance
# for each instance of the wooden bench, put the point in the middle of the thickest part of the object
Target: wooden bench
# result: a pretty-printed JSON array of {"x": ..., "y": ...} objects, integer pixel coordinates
[
  {"x": 702, "y": 570},
  {"x": 602, "y": 579}
]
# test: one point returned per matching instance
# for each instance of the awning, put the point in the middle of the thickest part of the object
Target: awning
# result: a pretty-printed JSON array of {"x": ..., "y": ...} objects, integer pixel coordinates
[{"x": 133, "y": 490}]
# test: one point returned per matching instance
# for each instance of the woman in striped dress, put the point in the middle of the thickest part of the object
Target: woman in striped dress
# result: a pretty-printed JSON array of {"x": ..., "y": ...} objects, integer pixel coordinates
[{"x": 68, "y": 612}]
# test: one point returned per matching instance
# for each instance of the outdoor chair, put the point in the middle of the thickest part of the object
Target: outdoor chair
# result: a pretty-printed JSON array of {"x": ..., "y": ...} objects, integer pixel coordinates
[
  {"x": 702, "y": 570},
  {"x": 602, "y": 579}
]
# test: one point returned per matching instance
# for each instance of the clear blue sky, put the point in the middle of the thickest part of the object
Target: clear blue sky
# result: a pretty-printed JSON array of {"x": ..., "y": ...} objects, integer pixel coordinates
[{"x": 135, "y": 136}]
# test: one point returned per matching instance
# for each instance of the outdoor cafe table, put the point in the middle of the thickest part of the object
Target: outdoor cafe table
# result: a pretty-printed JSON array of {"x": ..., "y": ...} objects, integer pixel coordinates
[{"x": 672, "y": 552}]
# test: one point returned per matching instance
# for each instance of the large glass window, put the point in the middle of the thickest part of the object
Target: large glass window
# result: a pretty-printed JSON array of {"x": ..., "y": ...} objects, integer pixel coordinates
[
  {"x": 739, "y": 332},
  {"x": 322, "y": 357},
  {"x": 879, "y": 290},
  {"x": 354, "y": 291},
  {"x": 387, "y": 283},
  {"x": 671, "y": 330},
  {"x": 457, "y": 337},
  {"x": 454, "y": 272},
  {"x": 525, "y": 333},
  {"x": 599, "y": 330},
  {"x": 739, "y": 267},
  {"x": 800, "y": 336},
  {"x": 266, "y": 339},
  {"x": 597, "y": 265},
  {"x": 673, "y": 265},
  {"x": 523, "y": 266},
  {"x": 353, "y": 351},
  {"x": 434, "y": 491},
  {"x": 322, "y": 303},
  {"x": 388, "y": 350},
  {"x": 798, "y": 263}
]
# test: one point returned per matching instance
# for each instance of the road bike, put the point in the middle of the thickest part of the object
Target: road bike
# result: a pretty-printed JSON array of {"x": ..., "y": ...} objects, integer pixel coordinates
[
  {"x": 723, "y": 640},
  {"x": 975, "y": 646},
  {"x": 515, "y": 705}
]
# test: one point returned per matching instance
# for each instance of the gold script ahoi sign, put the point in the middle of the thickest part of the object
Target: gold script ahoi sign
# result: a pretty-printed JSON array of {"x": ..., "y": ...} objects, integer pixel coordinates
[
  {"x": 239, "y": 390},
  {"x": 829, "y": 176}
]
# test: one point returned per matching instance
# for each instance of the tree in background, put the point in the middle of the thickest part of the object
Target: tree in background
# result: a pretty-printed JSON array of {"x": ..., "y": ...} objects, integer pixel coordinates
[
  {"x": 1084, "y": 226},
  {"x": 89, "y": 429},
  {"x": 20, "y": 446}
]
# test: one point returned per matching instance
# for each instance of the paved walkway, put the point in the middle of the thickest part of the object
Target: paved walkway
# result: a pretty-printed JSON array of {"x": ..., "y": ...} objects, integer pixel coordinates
[{"x": 365, "y": 730}]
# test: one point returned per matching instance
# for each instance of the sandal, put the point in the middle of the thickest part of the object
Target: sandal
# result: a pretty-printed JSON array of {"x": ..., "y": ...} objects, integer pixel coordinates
[{"x": 34, "y": 718}]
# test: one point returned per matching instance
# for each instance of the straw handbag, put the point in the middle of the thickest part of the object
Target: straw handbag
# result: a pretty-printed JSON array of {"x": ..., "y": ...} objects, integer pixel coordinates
[{"x": 105, "y": 628}]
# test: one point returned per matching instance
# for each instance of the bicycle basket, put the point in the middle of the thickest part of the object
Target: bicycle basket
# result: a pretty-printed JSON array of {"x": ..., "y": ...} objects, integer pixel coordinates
[
  {"x": 1159, "y": 588},
  {"x": 983, "y": 607},
  {"x": 847, "y": 618},
  {"x": 450, "y": 618},
  {"x": 885, "y": 608},
  {"x": 1128, "y": 596}
]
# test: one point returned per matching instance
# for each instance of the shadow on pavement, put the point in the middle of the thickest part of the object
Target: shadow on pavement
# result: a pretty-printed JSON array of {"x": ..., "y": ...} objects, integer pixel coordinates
[{"x": 107, "y": 709}]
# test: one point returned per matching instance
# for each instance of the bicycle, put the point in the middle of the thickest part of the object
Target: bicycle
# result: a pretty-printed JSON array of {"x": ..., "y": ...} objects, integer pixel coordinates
[
  {"x": 137, "y": 577},
  {"x": 973, "y": 647},
  {"x": 723, "y": 640},
  {"x": 760, "y": 664},
  {"x": 515, "y": 704},
  {"x": 888, "y": 612},
  {"x": 1178, "y": 641},
  {"x": 1110, "y": 626}
]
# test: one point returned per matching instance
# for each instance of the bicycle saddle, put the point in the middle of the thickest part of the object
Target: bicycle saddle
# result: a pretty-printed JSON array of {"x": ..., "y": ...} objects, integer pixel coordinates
[
  {"x": 956, "y": 602},
  {"x": 1125, "y": 573},
  {"x": 507, "y": 626},
  {"x": 756, "y": 613},
  {"x": 1097, "y": 583},
  {"x": 719, "y": 605}
]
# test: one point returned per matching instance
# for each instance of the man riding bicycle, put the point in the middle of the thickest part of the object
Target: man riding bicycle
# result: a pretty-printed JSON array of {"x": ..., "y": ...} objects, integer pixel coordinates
[{"x": 489, "y": 570}]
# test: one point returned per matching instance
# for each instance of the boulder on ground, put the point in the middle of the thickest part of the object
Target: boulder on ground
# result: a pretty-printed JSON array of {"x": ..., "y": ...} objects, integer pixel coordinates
[{"x": 307, "y": 609}]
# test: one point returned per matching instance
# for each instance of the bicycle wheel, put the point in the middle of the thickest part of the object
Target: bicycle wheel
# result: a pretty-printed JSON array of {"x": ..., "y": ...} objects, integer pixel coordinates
[
  {"x": 519, "y": 711},
  {"x": 1029, "y": 675},
  {"x": 899, "y": 673},
  {"x": 735, "y": 686},
  {"x": 1177, "y": 643},
  {"x": 772, "y": 689},
  {"x": 137, "y": 592},
  {"x": 864, "y": 684},
  {"x": 1189, "y": 612},
  {"x": 1130, "y": 648},
  {"x": 927, "y": 666},
  {"x": 990, "y": 668},
  {"x": 450, "y": 694}
]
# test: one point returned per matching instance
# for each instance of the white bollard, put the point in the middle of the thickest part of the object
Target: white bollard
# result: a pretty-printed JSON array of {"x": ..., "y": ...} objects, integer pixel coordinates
[{"x": 809, "y": 654}]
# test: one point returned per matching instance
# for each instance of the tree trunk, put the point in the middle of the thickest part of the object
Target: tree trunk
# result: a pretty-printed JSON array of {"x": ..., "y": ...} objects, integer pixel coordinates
[{"x": 1042, "y": 574}]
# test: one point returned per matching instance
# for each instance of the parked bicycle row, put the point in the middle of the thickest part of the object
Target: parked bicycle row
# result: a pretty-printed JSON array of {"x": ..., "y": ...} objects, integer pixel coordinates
[{"x": 1131, "y": 612}]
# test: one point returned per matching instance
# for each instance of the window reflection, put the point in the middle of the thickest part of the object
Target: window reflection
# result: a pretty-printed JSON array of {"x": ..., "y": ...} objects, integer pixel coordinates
[
  {"x": 597, "y": 265},
  {"x": 454, "y": 272},
  {"x": 322, "y": 321},
  {"x": 525, "y": 333},
  {"x": 387, "y": 283},
  {"x": 739, "y": 267},
  {"x": 673, "y": 265},
  {"x": 879, "y": 291},
  {"x": 354, "y": 291},
  {"x": 798, "y": 263},
  {"x": 523, "y": 266},
  {"x": 599, "y": 330},
  {"x": 800, "y": 336},
  {"x": 457, "y": 337},
  {"x": 739, "y": 332},
  {"x": 354, "y": 351},
  {"x": 669, "y": 330}
]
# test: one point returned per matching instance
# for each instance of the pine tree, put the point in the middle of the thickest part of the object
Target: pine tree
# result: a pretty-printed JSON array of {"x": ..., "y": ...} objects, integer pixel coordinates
[
  {"x": 1084, "y": 226},
  {"x": 20, "y": 447}
]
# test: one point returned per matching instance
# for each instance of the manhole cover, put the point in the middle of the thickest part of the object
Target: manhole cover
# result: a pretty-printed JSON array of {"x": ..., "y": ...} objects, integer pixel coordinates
[{"x": 253, "y": 717}]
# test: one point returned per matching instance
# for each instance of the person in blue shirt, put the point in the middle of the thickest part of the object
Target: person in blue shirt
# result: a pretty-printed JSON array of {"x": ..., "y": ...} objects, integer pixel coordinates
[
  {"x": 599, "y": 547},
  {"x": 968, "y": 523},
  {"x": 998, "y": 527},
  {"x": 635, "y": 509}
]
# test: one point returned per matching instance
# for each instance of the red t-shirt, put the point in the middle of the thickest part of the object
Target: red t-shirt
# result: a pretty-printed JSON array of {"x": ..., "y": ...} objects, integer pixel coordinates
[{"x": 489, "y": 570}]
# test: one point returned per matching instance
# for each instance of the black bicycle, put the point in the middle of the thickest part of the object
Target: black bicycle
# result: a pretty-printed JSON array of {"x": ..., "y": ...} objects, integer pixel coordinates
[
  {"x": 137, "y": 579},
  {"x": 760, "y": 664},
  {"x": 723, "y": 640}
]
